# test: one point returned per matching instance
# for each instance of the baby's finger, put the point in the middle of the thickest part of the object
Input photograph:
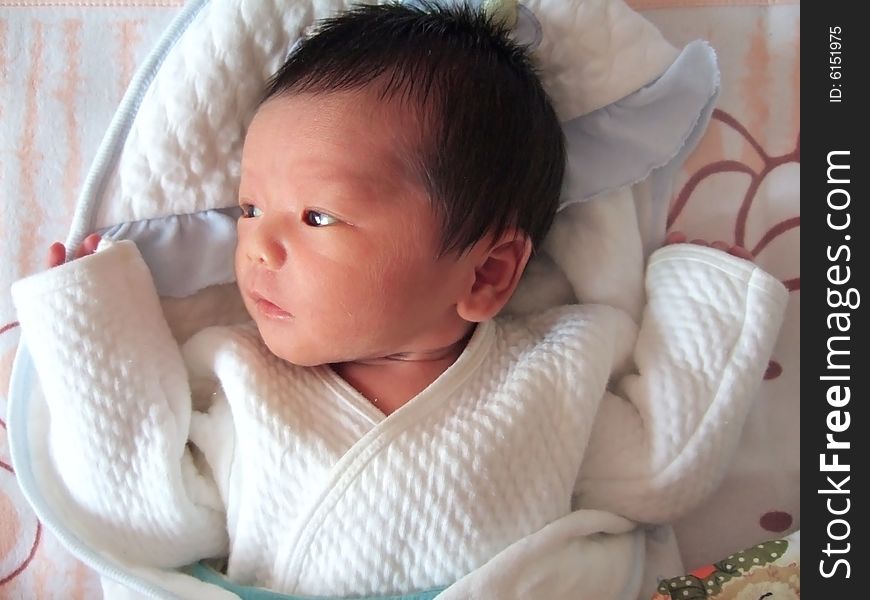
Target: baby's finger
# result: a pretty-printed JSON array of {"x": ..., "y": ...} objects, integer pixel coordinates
[
  {"x": 675, "y": 237},
  {"x": 56, "y": 255},
  {"x": 89, "y": 245},
  {"x": 740, "y": 252},
  {"x": 720, "y": 245},
  {"x": 91, "y": 242}
]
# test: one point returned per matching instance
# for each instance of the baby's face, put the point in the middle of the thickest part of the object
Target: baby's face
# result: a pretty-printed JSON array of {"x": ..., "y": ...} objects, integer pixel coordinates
[{"x": 337, "y": 246}]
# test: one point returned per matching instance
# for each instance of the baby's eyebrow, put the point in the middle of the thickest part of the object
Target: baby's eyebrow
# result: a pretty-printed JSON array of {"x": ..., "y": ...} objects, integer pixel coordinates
[
  {"x": 348, "y": 184},
  {"x": 318, "y": 180},
  {"x": 342, "y": 194}
]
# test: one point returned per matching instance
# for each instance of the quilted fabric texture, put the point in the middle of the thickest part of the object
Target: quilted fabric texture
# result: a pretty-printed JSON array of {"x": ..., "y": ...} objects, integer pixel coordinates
[
  {"x": 310, "y": 489},
  {"x": 111, "y": 483},
  {"x": 183, "y": 150}
]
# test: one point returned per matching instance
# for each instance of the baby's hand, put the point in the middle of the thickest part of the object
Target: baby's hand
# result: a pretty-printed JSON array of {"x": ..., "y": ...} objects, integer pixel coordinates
[
  {"x": 57, "y": 252},
  {"x": 678, "y": 237}
]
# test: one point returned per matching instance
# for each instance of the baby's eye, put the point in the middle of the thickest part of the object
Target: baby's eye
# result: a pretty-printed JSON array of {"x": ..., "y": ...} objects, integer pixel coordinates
[
  {"x": 250, "y": 211},
  {"x": 318, "y": 219}
]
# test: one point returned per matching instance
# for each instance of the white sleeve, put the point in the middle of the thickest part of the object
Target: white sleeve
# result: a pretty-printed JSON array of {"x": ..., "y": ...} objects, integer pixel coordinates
[
  {"x": 120, "y": 407},
  {"x": 665, "y": 434}
]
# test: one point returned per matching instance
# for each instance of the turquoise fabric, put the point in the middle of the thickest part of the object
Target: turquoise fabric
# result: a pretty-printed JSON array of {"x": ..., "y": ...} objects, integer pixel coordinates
[{"x": 209, "y": 575}]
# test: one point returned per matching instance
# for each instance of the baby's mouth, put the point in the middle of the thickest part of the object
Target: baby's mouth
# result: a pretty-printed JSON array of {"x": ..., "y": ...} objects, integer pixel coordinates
[{"x": 269, "y": 309}]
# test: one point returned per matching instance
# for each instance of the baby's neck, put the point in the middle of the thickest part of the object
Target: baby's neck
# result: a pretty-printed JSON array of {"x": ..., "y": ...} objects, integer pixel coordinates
[{"x": 390, "y": 382}]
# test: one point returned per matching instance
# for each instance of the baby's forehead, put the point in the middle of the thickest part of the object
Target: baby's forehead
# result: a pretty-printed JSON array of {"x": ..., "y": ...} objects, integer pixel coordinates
[{"x": 381, "y": 134}]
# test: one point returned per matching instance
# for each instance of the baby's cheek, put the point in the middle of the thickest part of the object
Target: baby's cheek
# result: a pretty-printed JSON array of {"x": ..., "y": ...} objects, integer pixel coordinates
[
  {"x": 404, "y": 277},
  {"x": 240, "y": 260},
  {"x": 371, "y": 290}
]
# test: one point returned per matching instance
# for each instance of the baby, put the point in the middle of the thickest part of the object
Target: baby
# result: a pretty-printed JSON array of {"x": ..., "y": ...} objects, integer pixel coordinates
[{"x": 377, "y": 429}]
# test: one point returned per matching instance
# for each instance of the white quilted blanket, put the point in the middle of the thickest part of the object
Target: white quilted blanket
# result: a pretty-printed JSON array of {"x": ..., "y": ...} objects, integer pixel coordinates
[{"x": 485, "y": 460}]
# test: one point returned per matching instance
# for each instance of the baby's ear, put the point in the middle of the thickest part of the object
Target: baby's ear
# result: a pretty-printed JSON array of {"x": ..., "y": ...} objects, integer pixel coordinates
[{"x": 496, "y": 274}]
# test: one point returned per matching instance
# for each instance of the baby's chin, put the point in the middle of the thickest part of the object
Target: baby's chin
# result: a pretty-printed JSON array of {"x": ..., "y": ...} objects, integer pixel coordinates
[{"x": 295, "y": 352}]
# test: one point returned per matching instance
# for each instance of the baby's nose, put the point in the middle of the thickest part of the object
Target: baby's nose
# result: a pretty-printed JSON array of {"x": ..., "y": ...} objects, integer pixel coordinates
[
  {"x": 268, "y": 250},
  {"x": 271, "y": 254}
]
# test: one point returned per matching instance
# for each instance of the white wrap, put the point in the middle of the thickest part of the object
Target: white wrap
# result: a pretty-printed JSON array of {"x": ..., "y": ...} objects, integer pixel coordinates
[{"x": 311, "y": 490}]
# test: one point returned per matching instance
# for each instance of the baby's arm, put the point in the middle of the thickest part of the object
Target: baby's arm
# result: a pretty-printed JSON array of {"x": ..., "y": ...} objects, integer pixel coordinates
[
  {"x": 120, "y": 405},
  {"x": 664, "y": 436}
]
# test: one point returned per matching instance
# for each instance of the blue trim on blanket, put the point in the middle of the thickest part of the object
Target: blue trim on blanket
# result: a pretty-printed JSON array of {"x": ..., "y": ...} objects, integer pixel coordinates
[
  {"x": 209, "y": 575},
  {"x": 624, "y": 142},
  {"x": 185, "y": 253}
]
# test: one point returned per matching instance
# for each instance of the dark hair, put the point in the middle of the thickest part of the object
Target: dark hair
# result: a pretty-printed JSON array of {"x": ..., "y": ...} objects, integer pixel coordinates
[{"x": 493, "y": 152}]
